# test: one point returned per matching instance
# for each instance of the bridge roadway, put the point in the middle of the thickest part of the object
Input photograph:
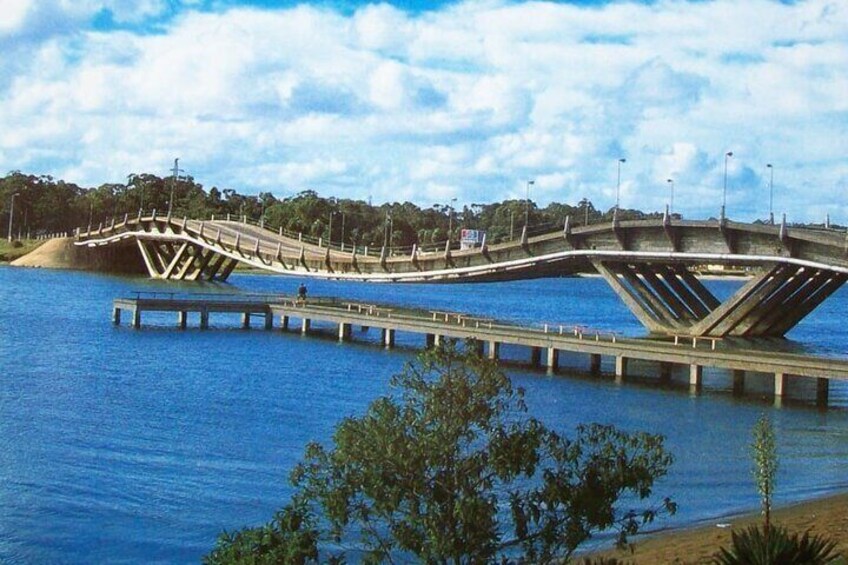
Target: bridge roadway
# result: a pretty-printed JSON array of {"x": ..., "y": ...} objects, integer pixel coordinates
[
  {"x": 488, "y": 335},
  {"x": 652, "y": 265}
]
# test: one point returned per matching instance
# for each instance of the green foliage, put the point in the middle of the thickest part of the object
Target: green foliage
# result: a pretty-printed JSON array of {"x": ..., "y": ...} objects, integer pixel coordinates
[
  {"x": 290, "y": 537},
  {"x": 451, "y": 468},
  {"x": 764, "y": 448},
  {"x": 45, "y": 205},
  {"x": 756, "y": 546}
]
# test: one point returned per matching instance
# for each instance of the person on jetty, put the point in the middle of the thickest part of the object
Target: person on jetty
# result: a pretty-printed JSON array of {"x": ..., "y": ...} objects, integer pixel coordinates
[{"x": 301, "y": 293}]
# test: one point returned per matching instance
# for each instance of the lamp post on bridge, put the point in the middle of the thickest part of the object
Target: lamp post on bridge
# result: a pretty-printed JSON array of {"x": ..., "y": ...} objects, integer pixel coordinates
[
  {"x": 618, "y": 184},
  {"x": 527, "y": 204},
  {"x": 727, "y": 155},
  {"x": 450, "y": 219},
  {"x": 671, "y": 201},
  {"x": 12, "y": 215},
  {"x": 176, "y": 170},
  {"x": 771, "y": 193}
]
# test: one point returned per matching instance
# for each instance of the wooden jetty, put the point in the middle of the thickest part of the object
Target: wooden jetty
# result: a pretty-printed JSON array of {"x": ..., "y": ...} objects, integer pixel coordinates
[{"x": 488, "y": 335}]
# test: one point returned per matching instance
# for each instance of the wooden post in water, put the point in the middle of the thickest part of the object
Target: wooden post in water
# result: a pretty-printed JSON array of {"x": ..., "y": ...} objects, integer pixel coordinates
[
  {"x": 269, "y": 320},
  {"x": 344, "y": 331},
  {"x": 665, "y": 372},
  {"x": 594, "y": 363},
  {"x": 781, "y": 382},
  {"x": 822, "y": 391},
  {"x": 182, "y": 319},
  {"x": 620, "y": 367},
  {"x": 245, "y": 320},
  {"x": 204, "y": 319},
  {"x": 553, "y": 359},
  {"x": 696, "y": 376},
  {"x": 284, "y": 322},
  {"x": 738, "y": 382},
  {"x": 535, "y": 357},
  {"x": 388, "y": 337},
  {"x": 136, "y": 317},
  {"x": 305, "y": 323},
  {"x": 494, "y": 350},
  {"x": 116, "y": 316}
]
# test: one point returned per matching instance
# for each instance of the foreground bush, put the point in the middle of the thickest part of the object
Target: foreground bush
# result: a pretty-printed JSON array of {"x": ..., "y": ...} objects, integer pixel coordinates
[
  {"x": 453, "y": 469},
  {"x": 775, "y": 546}
]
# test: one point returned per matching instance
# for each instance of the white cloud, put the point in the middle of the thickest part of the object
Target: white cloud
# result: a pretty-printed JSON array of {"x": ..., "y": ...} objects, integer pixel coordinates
[{"x": 467, "y": 102}]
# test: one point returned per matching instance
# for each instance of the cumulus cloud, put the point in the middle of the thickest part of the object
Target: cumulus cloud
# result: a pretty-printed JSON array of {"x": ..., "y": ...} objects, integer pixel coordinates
[{"x": 467, "y": 101}]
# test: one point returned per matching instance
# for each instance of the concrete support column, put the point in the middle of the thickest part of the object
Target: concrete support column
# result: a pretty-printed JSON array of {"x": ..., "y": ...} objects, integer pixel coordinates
[
  {"x": 536, "y": 357},
  {"x": 204, "y": 319},
  {"x": 620, "y": 367},
  {"x": 136, "y": 317},
  {"x": 245, "y": 320},
  {"x": 429, "y": 340},
  {"x": 479, "y": 347},
  {"x": 284, "y": 322},
  {"x": 494, "y": 350},
  {"x": 269, "y": 321},
  {"x": 665, "y": 371},
  {"x": 305, "y": 324},
  {"x": 553, "y": 359},
  {"x": 182, "y": 319},
  {"x": 738, "y": 382},
  {"x": 595, "y": 363},
  {"x": 388, "y": 337},
  {"x": 116, "y": 316},
  {"x": 696, "y": 376},
  {"x": 344, "y": 331},
  {"x": 437, "y": 340},
  {"x": 822, "y": 391},
  {"x": 781, "y": 380}
]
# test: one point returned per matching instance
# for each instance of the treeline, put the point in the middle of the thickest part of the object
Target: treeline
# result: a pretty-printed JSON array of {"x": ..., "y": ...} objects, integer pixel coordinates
[{"x": 44, "y": 205}]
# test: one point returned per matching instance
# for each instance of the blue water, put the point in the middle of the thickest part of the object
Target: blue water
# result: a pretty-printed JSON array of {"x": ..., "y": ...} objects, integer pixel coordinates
[{"x": 122, "y": 445}]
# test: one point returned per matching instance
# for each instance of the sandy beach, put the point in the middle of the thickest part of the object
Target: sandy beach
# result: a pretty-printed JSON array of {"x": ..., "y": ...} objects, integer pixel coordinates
[{"x": 827, "y": 516}]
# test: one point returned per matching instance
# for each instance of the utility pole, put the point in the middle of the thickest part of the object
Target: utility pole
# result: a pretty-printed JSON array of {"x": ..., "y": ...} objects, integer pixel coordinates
[{"x": 12, "y": 215}]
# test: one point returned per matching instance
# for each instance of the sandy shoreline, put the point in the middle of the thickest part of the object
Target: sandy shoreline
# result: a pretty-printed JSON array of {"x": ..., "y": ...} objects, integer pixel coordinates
[{"x": 827, "y": 516}]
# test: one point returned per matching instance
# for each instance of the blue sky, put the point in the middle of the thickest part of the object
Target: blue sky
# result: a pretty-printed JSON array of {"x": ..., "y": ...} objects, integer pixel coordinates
[{"x": 426, "y": 101}]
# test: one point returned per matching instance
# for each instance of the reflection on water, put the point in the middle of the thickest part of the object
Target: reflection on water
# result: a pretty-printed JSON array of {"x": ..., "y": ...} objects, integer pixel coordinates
[{"x": 124, "y": 445}]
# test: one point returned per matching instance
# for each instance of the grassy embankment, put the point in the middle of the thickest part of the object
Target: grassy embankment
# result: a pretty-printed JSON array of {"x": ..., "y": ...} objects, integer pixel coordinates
[{"x": 9, "y": 251}]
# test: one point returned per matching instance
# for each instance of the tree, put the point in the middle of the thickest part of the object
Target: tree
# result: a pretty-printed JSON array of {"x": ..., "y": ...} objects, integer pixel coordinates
[
  {"x": 764, "y": 450},
  {"x": 452, "y": 469}
]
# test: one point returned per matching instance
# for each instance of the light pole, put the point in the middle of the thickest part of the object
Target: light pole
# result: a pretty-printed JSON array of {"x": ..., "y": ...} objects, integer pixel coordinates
[
  {"x": 771, "y": 194},
  {"x": 450, "y": 219},
  {"x": 12, "y": 215},
  {"x": 671, "y": 202},
  {"x": 330, "y": 230},
  {"x": 527, "y": 204},
  {"x": 176, "y": 170},
  {"x": 727, "y": 156},
  {"x": 343, "y": 226},
  {"x": 618, "y": 184}
]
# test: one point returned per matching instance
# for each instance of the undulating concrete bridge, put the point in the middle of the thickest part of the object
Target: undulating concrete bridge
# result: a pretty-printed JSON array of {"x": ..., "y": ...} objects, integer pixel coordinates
[{"x": 653, "y": 265}]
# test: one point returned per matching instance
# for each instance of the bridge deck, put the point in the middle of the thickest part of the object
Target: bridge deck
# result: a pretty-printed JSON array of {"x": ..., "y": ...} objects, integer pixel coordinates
[{"x": 696, "y": 353}]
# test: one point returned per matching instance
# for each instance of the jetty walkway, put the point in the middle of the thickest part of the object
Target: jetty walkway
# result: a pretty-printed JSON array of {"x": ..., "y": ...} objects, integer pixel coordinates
[{"x": 545, "y": 343}]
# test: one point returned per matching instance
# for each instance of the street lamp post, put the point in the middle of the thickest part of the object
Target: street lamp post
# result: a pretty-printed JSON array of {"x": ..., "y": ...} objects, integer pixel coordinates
[
  {"x": 671, "y": 201},
  {"x": 618, "y": 184},
  {"x": 771, "y": 194},
  {"x": 330, "y": 230},
  {"x": 176, "y": 170},
  {"x": 527, "y": 204},
  {"x": 343, "y": 230},
  {"x": 450, "y": 219},
  {"x": 727, "y": 155},
  {"x": 12, "y": 215}
]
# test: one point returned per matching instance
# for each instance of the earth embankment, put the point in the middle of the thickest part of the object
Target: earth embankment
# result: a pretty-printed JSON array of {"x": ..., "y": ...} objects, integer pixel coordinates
[{"x": 61, "y": 253}]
